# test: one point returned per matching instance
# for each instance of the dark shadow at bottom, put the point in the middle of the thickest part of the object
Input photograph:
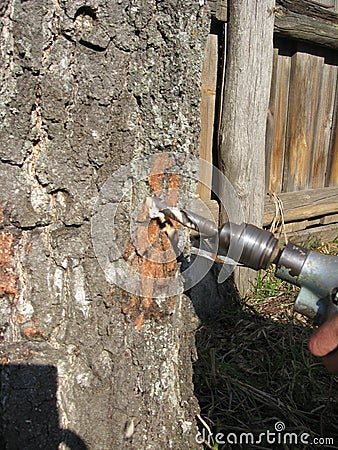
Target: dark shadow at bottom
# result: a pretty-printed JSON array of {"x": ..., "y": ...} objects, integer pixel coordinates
[
  {"x": 254, "y": 373},
  {"x": 29, "y": 418}
]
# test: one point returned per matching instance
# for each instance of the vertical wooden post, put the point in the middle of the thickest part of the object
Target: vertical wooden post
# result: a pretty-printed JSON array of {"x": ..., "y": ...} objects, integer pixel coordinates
[{"x": 245, "y": 105}]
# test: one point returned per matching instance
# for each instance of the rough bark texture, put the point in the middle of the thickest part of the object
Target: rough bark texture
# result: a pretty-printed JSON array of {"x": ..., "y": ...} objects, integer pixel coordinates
[
  {"x": 86, "y": 87},
  {"x": 245, "y": 106}
]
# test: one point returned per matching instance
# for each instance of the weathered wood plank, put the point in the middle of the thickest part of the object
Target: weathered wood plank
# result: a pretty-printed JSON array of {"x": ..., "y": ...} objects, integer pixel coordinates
[
  {"x": 332, "y": 5},
  {"x": 219, "y": 9},
  {"x": 332, "y": 218},
  {"x": 221, "y": 31},
  {"x": 326, "y": 233},
  {"x": 328, "y": 4},
  {"x": 270, "y": 120},
  {"x": 306, "y": 21},
  {"x": 222, "y": 10},
  {"x": 292, "y": 227},
  {"x": 334, "y": 165},
  {"x": 324, "y": 119},
  {"x": 300, "y": 225},
  {"x": 276, "y": 123},
  {"x": 332, "y": 171},
  {"x": 303, "y": 205},
  {"x": 303, "y": 103},
  {"x": 303, "y": 5},
  {"x": 245, "y": 103},
  {"x": 207, "y": 108}
]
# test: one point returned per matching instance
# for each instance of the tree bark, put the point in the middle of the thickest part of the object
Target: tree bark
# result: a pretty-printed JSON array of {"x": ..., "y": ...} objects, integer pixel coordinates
[
  {"x": 84, "y": 90},
  {"x": 245, "y": 106}
]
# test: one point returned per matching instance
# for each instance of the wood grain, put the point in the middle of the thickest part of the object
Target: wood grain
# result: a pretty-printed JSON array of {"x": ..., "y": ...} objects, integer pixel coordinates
[
  {"x": 323, "y": 126},
  {"x": 207, "y": 108},
  {"x": 218, "y": 9},
  {"x": 245, "y": 105},
  {"x": 332, "y": 172},
  {"x": 303, "y": 104},
  {"x": 307, "y": 21},
  {"x": 303, "y": 204},
  {"x": 326, "y": 233},
  {"x": 276, "y": 123}
]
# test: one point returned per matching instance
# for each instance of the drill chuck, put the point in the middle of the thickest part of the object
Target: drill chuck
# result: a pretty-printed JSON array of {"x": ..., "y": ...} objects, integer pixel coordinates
[{"x": 248, "y": 244}]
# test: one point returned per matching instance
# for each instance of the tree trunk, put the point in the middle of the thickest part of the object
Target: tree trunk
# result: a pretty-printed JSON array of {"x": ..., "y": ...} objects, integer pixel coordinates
[
  {"x": 84, "y": 90},
  {"x": 245, "y": 107}
]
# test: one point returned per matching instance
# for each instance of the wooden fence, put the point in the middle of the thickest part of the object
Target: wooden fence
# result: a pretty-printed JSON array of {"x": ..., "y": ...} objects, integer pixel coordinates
[
  {"x": 301, "y": 136},
  {"x": 301, "y": 154}
]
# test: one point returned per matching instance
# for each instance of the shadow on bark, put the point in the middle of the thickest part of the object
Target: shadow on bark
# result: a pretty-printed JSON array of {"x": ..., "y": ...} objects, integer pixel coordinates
[{"x": 29, "y": 417}]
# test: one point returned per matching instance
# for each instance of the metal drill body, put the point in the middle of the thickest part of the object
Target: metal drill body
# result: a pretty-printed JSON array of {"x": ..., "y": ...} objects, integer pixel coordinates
[
  {"x": 314, "y": 273},
  {"x": 249, "y": 245}
]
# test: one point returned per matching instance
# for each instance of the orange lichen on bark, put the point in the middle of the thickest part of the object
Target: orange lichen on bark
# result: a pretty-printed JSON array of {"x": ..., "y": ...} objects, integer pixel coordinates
[
  {"x": 32, "y": 332},
  {"x": 144, "y": 213},
  {"x": 128, "y": 251},
  {"x": 169, "y": 255},
  {"x": 173, "y": 184},
  {"x": 153, "y": 232},
  {"x": 155, "y": 182},
  {"x": 132, "y": 304},
  {"x": 147, "y": 302},
  {"x": 8, "y": 278},
  {"x": 29, "y": 247},
  {"x": 147, "y": 236},
  {"x": 153, "y": 255},
  {"x": 156, "y": 177},
  {"x": 20, "y": 318},
  {"x": 139, "y": 321},
  {"x": 172, "y": 303}
]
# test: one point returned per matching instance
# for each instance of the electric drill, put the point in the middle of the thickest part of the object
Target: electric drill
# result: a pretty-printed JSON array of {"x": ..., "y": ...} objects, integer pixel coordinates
[{"x": 316, "y": 274}]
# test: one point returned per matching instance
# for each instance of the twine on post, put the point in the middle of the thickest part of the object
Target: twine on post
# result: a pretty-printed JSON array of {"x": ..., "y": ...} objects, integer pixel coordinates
[{"x": 277, "y": 226}]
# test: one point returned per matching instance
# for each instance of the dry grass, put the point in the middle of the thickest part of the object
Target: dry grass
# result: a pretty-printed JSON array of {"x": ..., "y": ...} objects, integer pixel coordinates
[{"x": 254, "y": 368}]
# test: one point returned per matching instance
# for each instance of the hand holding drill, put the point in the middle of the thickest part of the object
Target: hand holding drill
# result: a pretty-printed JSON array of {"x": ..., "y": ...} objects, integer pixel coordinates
[{"x": 323, "y": 343}]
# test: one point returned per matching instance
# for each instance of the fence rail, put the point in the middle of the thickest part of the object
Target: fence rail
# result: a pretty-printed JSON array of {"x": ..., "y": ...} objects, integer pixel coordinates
[{"x": 314, "y": 22}]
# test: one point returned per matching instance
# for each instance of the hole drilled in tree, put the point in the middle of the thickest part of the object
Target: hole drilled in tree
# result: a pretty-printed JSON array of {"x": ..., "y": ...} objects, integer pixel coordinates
[{"x": 85, "y": 11}]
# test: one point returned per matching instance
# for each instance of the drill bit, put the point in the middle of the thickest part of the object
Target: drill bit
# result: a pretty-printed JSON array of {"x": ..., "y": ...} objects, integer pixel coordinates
[{"x": 159, "y": 208}]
